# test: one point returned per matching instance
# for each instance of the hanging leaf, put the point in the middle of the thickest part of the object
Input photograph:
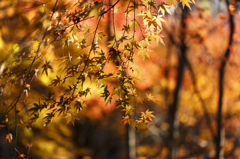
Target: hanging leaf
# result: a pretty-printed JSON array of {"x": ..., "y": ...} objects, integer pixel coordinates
[
  {"x": 46, "y": 66},
  {"x": 9, "y": 137}
]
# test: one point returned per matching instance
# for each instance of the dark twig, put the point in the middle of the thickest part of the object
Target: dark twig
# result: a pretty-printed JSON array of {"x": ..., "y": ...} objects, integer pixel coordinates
[
  {"x": 140, "y": 28},
  {"x": 220, "y": 128},
  {"x": 95, "y": 32},
  {"x": 88, "y": 57},
  {"x": 110, "y": 8},
  {"x": 19, "y": 153},
  {"x": 15, "y": 101}
]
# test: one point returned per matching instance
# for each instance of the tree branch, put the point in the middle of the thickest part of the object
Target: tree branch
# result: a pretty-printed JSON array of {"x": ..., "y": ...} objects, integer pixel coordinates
[{"x": 220, "y": 128}]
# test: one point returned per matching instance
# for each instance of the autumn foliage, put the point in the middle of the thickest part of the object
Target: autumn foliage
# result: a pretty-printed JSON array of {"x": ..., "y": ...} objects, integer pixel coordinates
[{"x": 165, "y": 71}]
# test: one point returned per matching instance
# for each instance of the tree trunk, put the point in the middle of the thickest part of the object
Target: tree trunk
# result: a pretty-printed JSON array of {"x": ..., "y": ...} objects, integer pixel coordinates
[{"x": 173, "y": 123}]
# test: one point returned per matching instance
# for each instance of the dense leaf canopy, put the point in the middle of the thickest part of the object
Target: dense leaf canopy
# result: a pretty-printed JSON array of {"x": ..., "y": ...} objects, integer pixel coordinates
[{"x": 79, "y": 60}]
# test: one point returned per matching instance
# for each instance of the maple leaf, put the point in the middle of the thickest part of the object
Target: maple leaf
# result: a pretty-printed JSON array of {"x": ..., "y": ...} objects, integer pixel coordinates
[
  {"x": 86, "y": 29},
  {"x": 112, "y": 44},
  {"x": 56, "y": 81},
  {"x": 141, "y": 120},
  {"x": 117, "y": 91},
  {"x": 144, "y": 53},
  {"x": 128, "y": 110},
  {"x": 46, "y": 66},
  {"x": 149, "y": 113},
  {"x": 172, "y": 2},
  {"x": 159, "y": 20},
  {"x": 157, "y": 38},
  {"x": 139, "y": 99},
  {"x": 186, "y": 2},
  {"x": 9, "y": 137},
  {"x": 95, "y": 9},
  {"x": 147, "y": 116},
  {"x": 164, "y": 8},
  {"x": 126, "y": 120},
  {"x": 99, "y": 36},
  {"x": 150, "y": 97},
  {"x": 136, "y": 69},
  {"x": 109, "y": 99},
  {"x": 71, "y": 118}
]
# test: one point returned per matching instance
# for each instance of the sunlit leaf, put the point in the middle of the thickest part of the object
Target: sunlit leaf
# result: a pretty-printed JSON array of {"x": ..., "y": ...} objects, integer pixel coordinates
[
  {"x": 126, "y": 120},
  {"x": 186, "y": 2},
  {"x": 9, "y": 137}
]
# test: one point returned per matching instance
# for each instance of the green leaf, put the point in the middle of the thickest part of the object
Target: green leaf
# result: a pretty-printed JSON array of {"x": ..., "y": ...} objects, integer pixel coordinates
[
  {"x": 112, "y": 44},
  {"x": 109, "y": 99}
]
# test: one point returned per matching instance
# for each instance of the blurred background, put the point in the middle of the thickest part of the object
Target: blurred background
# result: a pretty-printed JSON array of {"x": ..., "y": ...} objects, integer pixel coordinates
[{"x": 182, "y": 75}]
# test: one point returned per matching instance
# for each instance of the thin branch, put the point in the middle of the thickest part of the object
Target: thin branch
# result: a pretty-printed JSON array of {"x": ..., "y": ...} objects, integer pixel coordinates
[
  {"x": 95, "y": 32},
  {"x": 140, "y": 29},
  {"x": 19, "y": 153},
  {"x": 14, "y": 103},
  {"x": 110, "y": 8},
  {"x": 122, "y": 62},
  {"x": 23, "y": 87},
  {"x": 220, "y": 128},
  {"x": 16, "y": 129},
  {"x": 85, "y": 64},
  {"x": 134, "y": 16},
  {"x": 114, "y": 28}
]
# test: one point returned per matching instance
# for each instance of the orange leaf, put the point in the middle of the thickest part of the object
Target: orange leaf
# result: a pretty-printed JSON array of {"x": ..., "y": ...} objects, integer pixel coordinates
[
  {"x": 29, "y": 145},
  {"x": 22, "y": 155},
  {"x": 9, "y": 137},
  {"x": 126, "y": 120},
  {"x": 147, "y": 116},
  {"x": 21, "y": 121}
]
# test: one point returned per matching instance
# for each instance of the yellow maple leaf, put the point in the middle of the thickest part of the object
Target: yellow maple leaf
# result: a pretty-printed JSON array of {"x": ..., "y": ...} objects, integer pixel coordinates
[
  {"x": 126, "y": 120},
  {"x": 186, "y": 2},
  {"x": 128, "y": 110},
  {"x": 159, "y": 19},
  {"x": 150, "y": 97},
  {"x": 71, "y": 118},
  {"x": 147, "y": 116},
  {"x": 172, "y": 2},
  {"x": 164, "y": 8}
]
